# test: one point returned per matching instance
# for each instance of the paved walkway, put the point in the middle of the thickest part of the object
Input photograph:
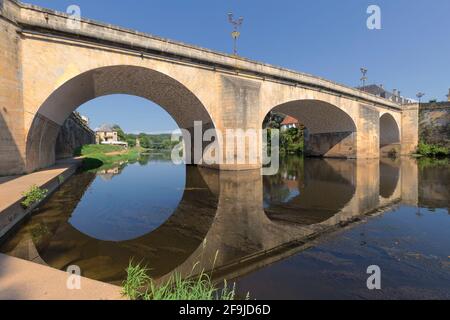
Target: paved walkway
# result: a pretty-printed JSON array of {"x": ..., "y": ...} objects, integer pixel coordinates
[
  {"x": 12, "y": 188},
  {"x": 25, "y": 280}
]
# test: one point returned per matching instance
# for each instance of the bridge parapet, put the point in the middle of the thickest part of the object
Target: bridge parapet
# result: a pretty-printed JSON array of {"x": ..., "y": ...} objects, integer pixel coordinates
[{"x": 36, "y": 19}]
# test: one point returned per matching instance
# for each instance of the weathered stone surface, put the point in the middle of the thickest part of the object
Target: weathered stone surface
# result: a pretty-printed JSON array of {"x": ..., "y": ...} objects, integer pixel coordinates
[
  {"x": 331, "y": 145},
  {"x": 72, "y": 135},
  {"x": 12, "y": 140},
  {"x": 434, "y": 123},
  {"x": 410, "y": 129}
]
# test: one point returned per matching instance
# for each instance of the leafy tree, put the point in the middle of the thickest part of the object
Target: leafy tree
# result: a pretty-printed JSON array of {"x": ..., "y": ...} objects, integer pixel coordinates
[
  {"x": 292, "y": 141},
  {"x": 131, "y": 141},
  {"x": 120, "y": 133},
  {"x": 144, "y": 141}
]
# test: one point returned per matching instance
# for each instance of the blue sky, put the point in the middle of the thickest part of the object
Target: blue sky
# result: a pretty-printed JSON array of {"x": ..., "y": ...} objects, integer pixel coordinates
[{"x": 326, "y": 38}]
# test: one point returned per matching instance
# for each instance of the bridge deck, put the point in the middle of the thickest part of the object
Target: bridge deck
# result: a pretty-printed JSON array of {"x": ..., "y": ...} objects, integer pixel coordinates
[{"x": 34, "y": 19}]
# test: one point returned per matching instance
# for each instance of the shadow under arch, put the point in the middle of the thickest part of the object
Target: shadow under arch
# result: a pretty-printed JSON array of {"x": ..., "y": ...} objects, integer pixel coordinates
[
  {"x": 171, "y": 95},
  {"x": 330, "y": 130},
  {"x": 162, "y": 250},
  {"x": 309, "y": 191},
  {"x": 389, "y": 131}
]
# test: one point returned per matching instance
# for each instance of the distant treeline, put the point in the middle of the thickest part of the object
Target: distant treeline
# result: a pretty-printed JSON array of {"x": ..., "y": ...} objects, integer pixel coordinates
[{"x": 147, "y": 141}]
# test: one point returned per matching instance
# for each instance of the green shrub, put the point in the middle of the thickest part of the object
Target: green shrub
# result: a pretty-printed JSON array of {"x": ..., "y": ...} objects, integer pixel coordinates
[
  {"x": 432, "y": 150},
  {"x": 33, "y": 196}
]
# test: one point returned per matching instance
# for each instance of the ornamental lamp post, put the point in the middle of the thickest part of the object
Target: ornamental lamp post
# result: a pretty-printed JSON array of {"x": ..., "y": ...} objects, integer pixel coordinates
[
  {"x": 235, "y": 34},
  {"x": 363, "y": 78},
  {"x": 419, "y": 96}
]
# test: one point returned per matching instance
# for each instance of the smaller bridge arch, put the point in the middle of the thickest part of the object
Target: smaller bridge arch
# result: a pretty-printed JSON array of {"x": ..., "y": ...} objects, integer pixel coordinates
[
  {"x": 389, "y": 134},
  {"x": 330, "y": 130}
]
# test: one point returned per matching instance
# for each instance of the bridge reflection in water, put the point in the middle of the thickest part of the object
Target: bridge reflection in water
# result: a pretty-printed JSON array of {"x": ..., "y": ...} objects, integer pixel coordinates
[{"x": 234, "y": 222}]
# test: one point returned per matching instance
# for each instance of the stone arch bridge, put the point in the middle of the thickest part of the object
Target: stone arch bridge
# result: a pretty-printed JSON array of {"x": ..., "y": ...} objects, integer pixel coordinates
[{"x": 51, "y": 65}]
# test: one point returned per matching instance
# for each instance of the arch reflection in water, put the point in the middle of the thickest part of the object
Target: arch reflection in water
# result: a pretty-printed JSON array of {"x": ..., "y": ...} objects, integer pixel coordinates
[
  {"x": 261, "y": 220},
  {"x": 119, "y": 206},
  {"x": 57, "y": 237},
  {"x": 234, "y": 221},
  {"x": 296, "y": 193}
]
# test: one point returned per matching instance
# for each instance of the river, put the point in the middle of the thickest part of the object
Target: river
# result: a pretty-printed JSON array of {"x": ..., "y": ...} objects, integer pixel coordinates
[{"x": 309, "y": 232}]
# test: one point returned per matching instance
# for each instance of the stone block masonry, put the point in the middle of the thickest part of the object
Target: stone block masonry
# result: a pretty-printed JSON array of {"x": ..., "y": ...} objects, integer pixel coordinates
[
  {"x": 73, "y": 134},
  {"x": 434, "y": 123}
]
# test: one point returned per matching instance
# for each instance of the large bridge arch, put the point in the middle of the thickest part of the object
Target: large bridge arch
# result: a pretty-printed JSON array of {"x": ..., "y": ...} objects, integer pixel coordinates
[{"x": 181, "y": 103}]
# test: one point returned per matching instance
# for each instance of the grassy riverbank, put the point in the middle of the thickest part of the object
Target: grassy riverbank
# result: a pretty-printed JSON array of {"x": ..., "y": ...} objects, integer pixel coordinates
[
  {"x": 139, "y": 286},
  {"x": 97, "y": 155}
]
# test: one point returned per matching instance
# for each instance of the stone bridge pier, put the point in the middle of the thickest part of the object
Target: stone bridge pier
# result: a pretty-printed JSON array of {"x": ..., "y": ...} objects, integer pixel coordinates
[{"x": 49, "y": 68}]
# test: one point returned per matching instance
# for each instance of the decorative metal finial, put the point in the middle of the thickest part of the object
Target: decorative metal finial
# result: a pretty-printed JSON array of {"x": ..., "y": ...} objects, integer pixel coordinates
[{"x": 235, "y": 34}]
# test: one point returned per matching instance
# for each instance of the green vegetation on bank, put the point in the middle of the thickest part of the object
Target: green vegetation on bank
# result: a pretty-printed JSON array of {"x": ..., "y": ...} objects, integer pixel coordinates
[
  {"x": 432, "y": 150},
  {"x": 292, "y": 140},
  {"x": 147, "y": 141},
  {"x": 98, "y": 155},
  {"x": 139, "y": 286},
  {"x": 33, "y": 196}
]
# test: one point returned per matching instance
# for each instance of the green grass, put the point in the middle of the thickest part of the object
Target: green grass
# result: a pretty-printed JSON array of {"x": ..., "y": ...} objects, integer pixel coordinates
[
  {"x": 96, "y": 155},
  {"x": 90, "y": 149},
  {"x": 33, "y": 196},
  {"x": 139, "y": 286}
]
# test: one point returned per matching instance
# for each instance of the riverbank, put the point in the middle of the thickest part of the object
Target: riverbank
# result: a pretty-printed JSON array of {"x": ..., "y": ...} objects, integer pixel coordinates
[
  {"x": 96, "y": 155},
  {"x": 25, "y": 280},
  {"x": 12, "y": 190}
]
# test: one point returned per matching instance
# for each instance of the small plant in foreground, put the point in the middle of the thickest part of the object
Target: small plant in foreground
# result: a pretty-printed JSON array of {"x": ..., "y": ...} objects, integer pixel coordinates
[
  {"x": 33, "y": 195},
  {"x": 137, "y": 278},
  {"x": 139, "y": 286}
]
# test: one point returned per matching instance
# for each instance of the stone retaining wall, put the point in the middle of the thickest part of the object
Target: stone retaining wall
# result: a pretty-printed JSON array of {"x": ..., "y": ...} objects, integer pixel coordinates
[
  {"x": 73, "y": 134},
  {"x": 434, "y": 123}
]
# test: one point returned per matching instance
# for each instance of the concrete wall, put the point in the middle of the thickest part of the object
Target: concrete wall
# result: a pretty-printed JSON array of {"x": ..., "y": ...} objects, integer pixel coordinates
[
  {"x": 434, "y": 123},
  {"x": 12, "y": 137},
  {"x": 73, "y": 134}
]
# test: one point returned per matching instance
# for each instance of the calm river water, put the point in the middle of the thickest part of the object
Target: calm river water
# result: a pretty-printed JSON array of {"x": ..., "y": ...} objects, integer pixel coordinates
[{"x": 309, "y": 232}]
